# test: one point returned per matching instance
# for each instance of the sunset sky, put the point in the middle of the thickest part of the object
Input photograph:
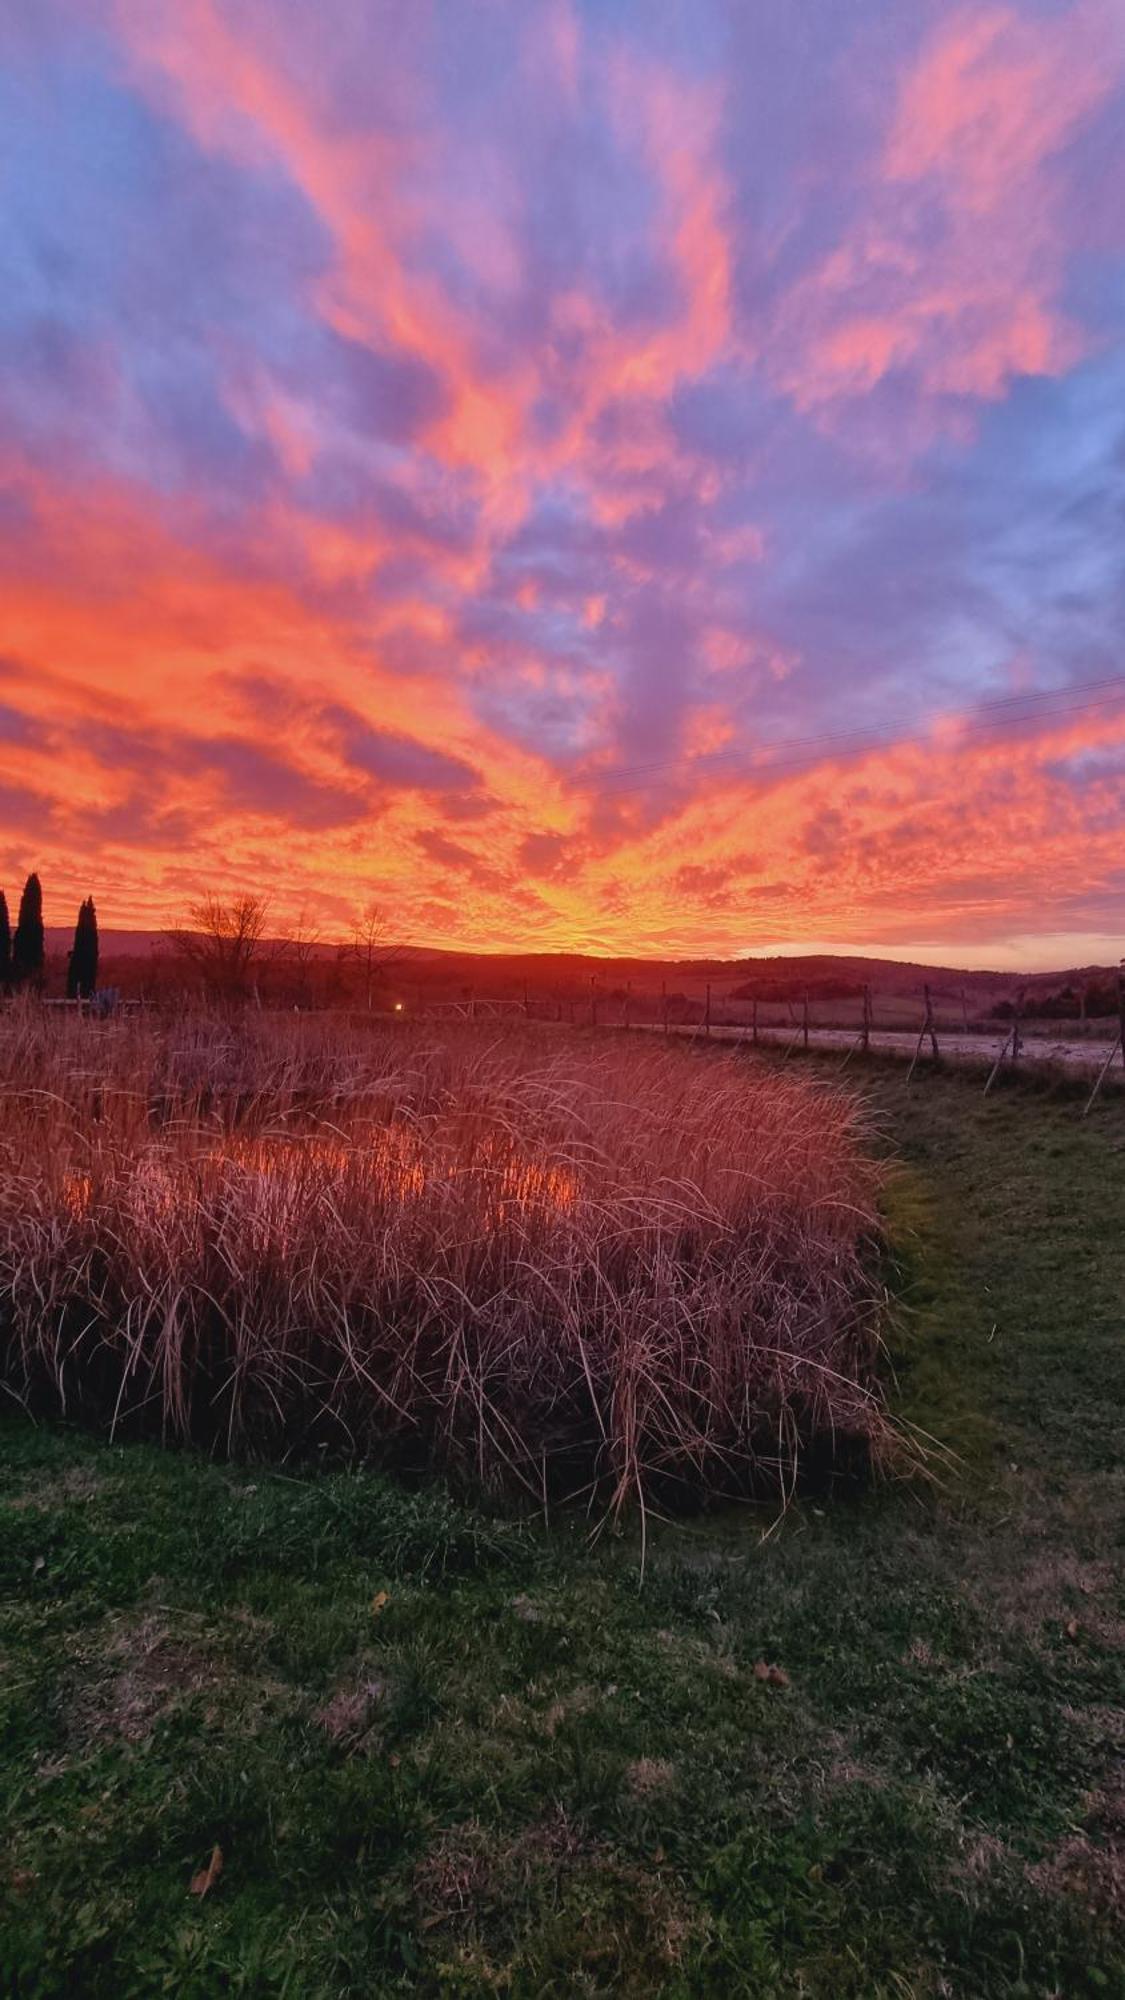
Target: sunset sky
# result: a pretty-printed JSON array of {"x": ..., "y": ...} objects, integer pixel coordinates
[{"x": 616, "y": 475}]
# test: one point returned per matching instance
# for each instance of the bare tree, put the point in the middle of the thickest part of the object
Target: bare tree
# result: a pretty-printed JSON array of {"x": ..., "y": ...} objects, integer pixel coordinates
[
  {"x": 297, "y": 949},
  {"x": 302, "y": 939},
  {"x": 222, "y": 940},
  {"x": 370, "y": 948}
]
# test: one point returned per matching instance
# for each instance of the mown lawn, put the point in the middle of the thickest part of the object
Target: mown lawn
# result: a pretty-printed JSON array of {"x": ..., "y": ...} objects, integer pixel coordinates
[{"x": 441, "y": 1754}]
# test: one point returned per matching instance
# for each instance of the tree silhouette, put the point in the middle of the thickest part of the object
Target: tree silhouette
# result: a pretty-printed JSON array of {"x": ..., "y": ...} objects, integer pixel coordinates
[
  {"x": 74, "y": 963},
  {"x": 222, "y": 943},
  {"x": 28, "y": 947},
  {"x": 295, "y": 953},
  {"x": 93, "y": 947},
  {"x": 5, "y": 944},
  {"x": 82, "y": 969},
  {"x": 369, "y": 947}
]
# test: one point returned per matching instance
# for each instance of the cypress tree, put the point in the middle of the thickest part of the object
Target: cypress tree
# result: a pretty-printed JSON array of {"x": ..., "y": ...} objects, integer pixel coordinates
[
  {"x": 74, "y": 962},
  {"x": 82, "y": 967},
  {"x": 28, "y": 945},
  {"x": 91, "y": 948},
  {"x": 5, "y": 944}
]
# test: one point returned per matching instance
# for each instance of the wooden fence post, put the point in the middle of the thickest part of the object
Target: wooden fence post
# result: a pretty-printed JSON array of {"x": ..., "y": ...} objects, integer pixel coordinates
[
  {"x": 1013, "y": 1036},
  {"x": 1118, "y": 1044},
  {"x": 995, "y": 1070},
  {"x": 707, "y": 1013},
  {"x": 754, "y": 1021},
  {"x": 866, "y": 1044},
  {"x": 805, "y": 1021},
  {"x": 664, "y": 1004},
  {"x": 927, "y": 1028},
  {"x": 593, "y": 1003}
]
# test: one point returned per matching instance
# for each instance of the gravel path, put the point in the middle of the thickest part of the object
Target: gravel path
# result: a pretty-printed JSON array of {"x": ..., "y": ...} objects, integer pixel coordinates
[{"x": 1085, "y": 1057}]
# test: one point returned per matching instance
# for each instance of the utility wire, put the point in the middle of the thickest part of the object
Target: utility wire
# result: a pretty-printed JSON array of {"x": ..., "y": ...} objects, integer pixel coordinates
[{"x": 989, "y": 718}]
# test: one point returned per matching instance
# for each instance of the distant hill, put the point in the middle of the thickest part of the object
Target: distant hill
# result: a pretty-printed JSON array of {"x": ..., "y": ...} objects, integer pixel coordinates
[
  {"x": 428, "y": 968},
  {"x": 114, "y": 944}
]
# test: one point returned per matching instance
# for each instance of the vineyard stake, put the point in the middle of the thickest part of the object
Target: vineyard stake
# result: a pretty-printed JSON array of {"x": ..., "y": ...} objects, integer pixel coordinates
[
  {"x": 927, "y": 1028},
  {"x": 1118, "y": 1044}
]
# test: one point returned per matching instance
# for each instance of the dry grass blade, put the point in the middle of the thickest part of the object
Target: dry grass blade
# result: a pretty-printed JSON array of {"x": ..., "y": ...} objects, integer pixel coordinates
[{"x": 545, "y": 1262}]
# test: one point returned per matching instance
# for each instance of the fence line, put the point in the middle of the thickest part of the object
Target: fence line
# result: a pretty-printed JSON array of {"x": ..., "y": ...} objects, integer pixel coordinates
[
  {"x": 933, "y": 1043},
  {"x": 1021, "y": 1044}
]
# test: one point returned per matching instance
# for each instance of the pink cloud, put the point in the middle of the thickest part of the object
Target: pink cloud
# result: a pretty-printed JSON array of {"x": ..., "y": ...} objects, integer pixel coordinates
[
  {"x": 954, "y": 270},
  {"x": 993, "y": 95},
  {"x": 677, "y": 126}
]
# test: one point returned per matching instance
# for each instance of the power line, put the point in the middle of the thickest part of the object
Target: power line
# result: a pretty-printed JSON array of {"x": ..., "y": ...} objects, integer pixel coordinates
[{"x": 989, "y": 718}]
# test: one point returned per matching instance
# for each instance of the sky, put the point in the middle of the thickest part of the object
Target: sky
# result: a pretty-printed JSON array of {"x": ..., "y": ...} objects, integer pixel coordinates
[{"x": 591, "y": 474}]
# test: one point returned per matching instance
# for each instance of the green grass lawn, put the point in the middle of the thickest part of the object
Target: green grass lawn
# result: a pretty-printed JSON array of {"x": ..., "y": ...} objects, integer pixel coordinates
[{"x": 442, "y": 1754}]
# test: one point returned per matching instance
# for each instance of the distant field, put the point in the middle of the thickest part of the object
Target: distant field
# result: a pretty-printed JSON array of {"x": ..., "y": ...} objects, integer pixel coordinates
[
  {"x": 868, "y": 1751},
  {"x": 570, "y": 985}
]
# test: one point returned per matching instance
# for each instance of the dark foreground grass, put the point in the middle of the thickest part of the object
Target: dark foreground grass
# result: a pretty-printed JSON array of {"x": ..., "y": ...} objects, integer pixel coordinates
[{"x": 445, "y": 1755}]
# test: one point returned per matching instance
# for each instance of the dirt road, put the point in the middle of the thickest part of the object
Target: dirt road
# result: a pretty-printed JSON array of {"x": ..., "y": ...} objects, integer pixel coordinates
[{"x": 1084, "y": 1057}]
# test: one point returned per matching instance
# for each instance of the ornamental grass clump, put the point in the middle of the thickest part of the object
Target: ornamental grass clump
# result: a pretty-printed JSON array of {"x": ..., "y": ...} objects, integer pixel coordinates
[{"x": 547, "y": 1263}]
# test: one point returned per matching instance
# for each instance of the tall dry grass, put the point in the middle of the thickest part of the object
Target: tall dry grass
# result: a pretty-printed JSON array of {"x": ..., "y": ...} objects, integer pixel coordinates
[{"x": 537, "y": 1259}]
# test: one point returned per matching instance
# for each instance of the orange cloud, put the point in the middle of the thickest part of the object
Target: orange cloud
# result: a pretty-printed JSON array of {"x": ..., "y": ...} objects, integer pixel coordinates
[{"x": 171, "y": 754}]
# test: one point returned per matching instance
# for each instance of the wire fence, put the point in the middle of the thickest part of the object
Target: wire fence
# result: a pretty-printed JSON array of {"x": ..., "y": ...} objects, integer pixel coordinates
[{"x": 939, "y": 1027}]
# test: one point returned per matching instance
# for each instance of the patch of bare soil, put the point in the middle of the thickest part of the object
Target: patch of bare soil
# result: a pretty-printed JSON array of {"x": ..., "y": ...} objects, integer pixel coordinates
[
  {"x": 845, "y": 1766},
  {"x": 1059, "y": 1590},
  {"x": 647, "y": 1777},
  {"x": 529, "y": 1712},
  {"x": 469, "y": 1883},
  {"x": 350, "y": 1716},
  {"x": 1091, "y": 1871},
  {"x": 467, "y": 1866},
  {"x": 981, "y": 1855},
  {"x": 571, "y": 1706},
  {"x": 1090, "y": 1864},
  {"x": 135, "y": 1671},
  {"x": 77, "y": 1483}
]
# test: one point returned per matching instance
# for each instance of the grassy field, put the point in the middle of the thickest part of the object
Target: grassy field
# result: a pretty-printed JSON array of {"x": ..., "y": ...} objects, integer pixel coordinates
[{"x": 443, "y": 1754}]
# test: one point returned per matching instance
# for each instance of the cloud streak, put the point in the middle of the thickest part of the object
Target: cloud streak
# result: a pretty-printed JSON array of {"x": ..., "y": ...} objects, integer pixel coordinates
[{"x": 457, "y": 450}]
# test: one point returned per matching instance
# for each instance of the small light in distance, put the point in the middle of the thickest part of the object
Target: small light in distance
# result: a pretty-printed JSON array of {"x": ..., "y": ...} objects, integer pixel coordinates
[{"x": 398, "y": 1006}]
